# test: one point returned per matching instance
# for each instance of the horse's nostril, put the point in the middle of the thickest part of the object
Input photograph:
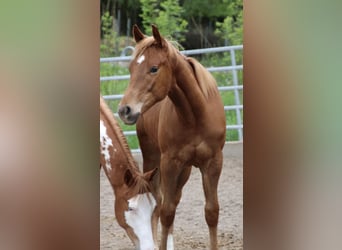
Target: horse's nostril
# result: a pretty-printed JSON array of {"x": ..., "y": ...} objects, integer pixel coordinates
[
  {"x": 127, "y": 110},
  {"x": 124, "y": 111},
  {"x": 127, "y": 115}
]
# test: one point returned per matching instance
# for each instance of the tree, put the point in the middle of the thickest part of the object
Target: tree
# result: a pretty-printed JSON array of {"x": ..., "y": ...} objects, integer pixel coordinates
[
  {"x": 109, "y": 36},
  {"x": 167, "y": 16},
  {"x": 210, "y": 9},
  {"x": 231, "y": 29},
  {"x": 149, "y": 13}
]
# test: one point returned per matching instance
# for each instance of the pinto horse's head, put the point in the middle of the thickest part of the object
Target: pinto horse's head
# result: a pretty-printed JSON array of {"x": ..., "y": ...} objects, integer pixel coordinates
[
  {"x": 134, "y": 207},
  {"x": 151, "y": 75}
]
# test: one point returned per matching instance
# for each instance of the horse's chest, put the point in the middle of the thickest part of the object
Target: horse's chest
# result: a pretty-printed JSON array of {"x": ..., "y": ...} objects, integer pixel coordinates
[
  {"x": 190, "y": 152},
  {"x": 191, "y": 144}
]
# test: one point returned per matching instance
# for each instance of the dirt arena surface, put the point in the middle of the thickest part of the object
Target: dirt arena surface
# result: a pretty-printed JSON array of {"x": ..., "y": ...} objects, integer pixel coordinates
[{"x": 190, "y": 228}]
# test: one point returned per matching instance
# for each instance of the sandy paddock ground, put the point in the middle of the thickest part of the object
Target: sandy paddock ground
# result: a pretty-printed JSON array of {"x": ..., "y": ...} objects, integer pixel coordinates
[{"x": 190, "y": 228}]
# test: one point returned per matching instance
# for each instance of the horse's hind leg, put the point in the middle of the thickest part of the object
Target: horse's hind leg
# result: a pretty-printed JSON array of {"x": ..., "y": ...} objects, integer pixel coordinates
[
  {"x": 210, "y": 176},
  {"x": 173, "y": 178}
]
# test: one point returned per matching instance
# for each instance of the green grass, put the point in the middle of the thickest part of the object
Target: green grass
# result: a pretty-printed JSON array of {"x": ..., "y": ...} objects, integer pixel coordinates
[{"x": 222, "y": 79}]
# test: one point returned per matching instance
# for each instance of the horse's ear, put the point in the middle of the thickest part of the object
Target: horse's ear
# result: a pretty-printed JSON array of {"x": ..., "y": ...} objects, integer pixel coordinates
[
  {"x": 148, "y": 176},
  {"x": 128, "y": 178},
  {"x": 137, "y": 34},
  {"x": 159, "y": 39}
]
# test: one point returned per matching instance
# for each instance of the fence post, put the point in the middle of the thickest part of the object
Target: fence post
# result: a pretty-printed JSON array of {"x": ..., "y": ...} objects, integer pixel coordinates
[{"x": 236, "y": 93}]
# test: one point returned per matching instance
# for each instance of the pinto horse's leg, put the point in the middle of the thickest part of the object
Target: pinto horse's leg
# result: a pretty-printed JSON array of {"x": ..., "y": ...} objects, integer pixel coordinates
[
  {"x": 151, "y": 160},
  {"x": 156, "y": 193},
  {"x": 173, "y": 178},
  {"x": 210, "y": 176}
]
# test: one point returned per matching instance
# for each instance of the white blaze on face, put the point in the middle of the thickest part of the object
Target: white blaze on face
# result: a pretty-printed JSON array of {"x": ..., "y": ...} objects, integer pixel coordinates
[
  {"x": 141, "y": 59},
  {"x": 106, "y": 142},
  {"x": 138, "y": 217}
]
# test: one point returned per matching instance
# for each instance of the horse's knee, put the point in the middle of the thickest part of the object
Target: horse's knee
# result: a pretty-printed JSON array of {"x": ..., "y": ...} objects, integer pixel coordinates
[
  {"x": 212, "y": 214},
  {"x": 167, "y": 214}
]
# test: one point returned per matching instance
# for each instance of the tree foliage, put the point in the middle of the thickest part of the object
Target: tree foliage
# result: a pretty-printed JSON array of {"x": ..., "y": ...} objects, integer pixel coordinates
[
  {"x": 149, "y": 13},
  {"x": 231, "y": 29},
  {"x": 204, "y": 8},
  {"x": 109, "y": 35},
  {"x": 194, "y": 23},
  {"x": 167, "y": 15}
]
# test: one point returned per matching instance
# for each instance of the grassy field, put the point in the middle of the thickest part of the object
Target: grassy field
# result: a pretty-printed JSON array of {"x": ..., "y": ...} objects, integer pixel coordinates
[{"x": 222, "y": 79}]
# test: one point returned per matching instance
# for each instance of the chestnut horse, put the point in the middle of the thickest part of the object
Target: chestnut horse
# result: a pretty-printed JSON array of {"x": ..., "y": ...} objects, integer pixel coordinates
[
  {"x": 134, "y": 203},
  {"x": 181, "y": 124}
]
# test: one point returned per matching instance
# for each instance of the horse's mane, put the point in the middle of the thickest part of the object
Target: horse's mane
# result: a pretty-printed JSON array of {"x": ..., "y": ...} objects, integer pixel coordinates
[
  {"x": 140, "y": 185},
  {"x": 205, "y": 80}
]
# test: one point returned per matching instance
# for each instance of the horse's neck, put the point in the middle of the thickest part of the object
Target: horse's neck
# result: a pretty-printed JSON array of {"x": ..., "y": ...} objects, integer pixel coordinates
[
  {"x": 123, "y": 153},
  {"x": 123, "y": 156},
  {"x": 121, "y": 159},
  {"x": 186, "y": 94}
]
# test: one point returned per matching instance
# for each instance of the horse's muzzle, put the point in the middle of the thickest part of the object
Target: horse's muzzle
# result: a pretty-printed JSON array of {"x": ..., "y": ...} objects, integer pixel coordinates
[{"x": 127, "y": 116}]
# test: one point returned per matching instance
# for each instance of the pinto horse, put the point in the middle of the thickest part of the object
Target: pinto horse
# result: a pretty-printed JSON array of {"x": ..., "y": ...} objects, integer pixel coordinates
[
  {"x": 134, "y": 203},
  {"x": 181, "y": 124}
]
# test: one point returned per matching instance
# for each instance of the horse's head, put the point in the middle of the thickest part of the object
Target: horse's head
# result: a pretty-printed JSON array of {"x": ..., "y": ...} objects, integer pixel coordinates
[
  {"x": 151, "y": 75},
  {"x": 134, "y": 208}
]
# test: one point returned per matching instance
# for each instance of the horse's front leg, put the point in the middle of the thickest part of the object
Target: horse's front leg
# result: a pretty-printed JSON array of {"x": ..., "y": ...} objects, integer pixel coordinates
[{"x": 173, "y": 177}]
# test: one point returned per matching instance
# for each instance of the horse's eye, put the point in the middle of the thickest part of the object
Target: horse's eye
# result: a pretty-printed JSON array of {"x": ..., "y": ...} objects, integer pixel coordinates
[
  {"x": 131, "y": 209},
  {"x": 154, "y": 69}
]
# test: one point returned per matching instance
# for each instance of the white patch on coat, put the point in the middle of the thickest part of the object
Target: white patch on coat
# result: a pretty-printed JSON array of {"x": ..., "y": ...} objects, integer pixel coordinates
[
  {"x": 106, "y": 142},
  {"x": 138, "y": 217},
  {"x": 141, "y": 59},
  {"x": 170, "y": 242}
]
